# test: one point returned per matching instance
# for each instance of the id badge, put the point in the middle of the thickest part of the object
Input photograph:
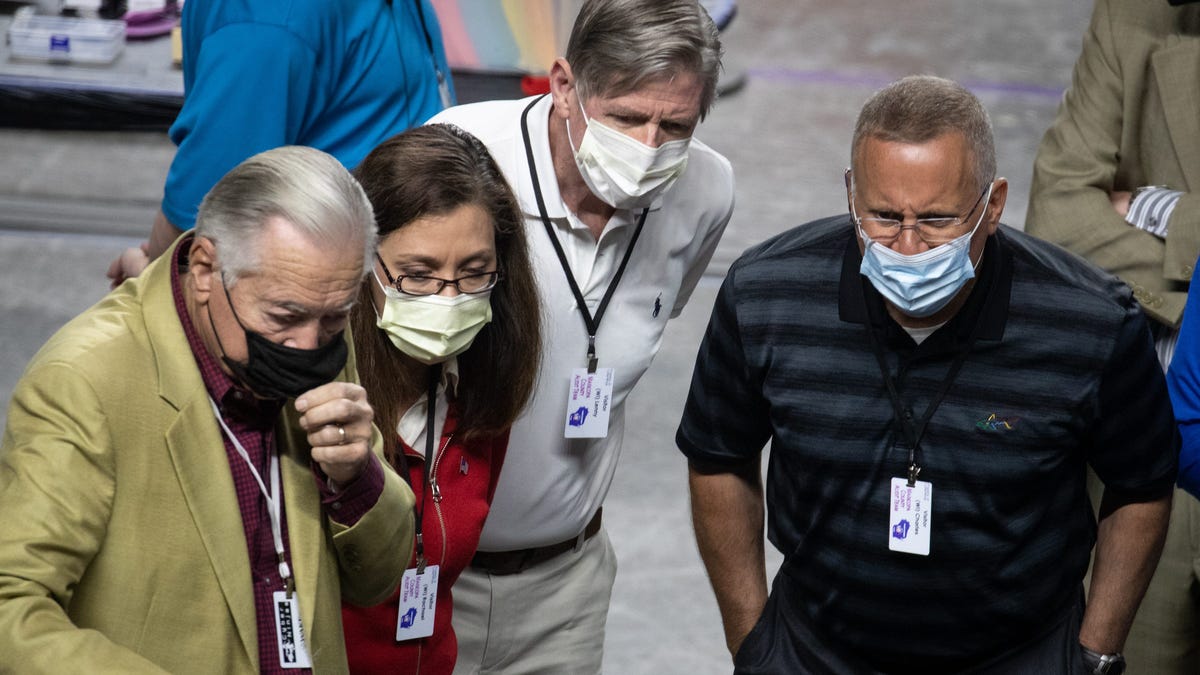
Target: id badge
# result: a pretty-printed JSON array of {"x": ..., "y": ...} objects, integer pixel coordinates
[
  {"x": 588, "y": 401},
  {"x": 289, "y": 634},
  {"x": 418, "y": 601},
  {"x": 910, "y": 523}
]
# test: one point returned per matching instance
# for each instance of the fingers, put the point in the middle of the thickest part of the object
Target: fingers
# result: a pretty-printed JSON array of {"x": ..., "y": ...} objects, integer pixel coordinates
[
  {"x": 129, "y": 264},
  {"x": 337, "y": 419}
]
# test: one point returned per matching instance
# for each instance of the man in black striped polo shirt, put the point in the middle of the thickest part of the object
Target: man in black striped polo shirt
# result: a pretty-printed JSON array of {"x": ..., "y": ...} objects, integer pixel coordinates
[{"x": 932, "y": 385}]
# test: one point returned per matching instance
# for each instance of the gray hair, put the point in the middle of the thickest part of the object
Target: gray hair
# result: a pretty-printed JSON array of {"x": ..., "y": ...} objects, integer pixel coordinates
[
  {"x": 616, "y": 46},
  {"x": 306, "y": 187},
  {"x": 920, "y": 108}
]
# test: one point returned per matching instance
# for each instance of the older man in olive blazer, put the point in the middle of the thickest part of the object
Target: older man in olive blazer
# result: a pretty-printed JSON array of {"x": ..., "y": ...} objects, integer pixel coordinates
[
  {"x": 121, "y": 544},
  {"x": 1128, "y": 130}
]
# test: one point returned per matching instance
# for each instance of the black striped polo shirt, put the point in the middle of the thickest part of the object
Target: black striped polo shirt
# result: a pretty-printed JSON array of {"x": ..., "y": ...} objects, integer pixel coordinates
[{"x": 1063, "y": 372}]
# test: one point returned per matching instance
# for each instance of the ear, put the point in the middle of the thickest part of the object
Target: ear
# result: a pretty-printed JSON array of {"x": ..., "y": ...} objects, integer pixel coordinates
[
  {"x": 562, "y": 87},
  {"x": 202, "y": 268},
  {"x": 995, "y": 207},
  {"x": 849, "y": 179}
]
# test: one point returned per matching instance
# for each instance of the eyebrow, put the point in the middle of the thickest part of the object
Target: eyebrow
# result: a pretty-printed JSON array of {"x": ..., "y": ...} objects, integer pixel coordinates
[
  {"x": 478, "y": 256},
  {"x": 305, "y": 311},
  {"x": 619, "y": 110}
]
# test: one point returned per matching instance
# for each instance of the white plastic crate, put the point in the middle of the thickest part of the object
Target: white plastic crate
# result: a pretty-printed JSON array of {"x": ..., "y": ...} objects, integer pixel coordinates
[{"x": 60, "y": 38}]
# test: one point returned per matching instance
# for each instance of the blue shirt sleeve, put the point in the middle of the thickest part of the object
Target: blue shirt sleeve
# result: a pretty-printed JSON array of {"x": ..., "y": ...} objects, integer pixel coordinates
[
  {"x": 1183, "y": 381},
  {"x": 253, "y": 85}
]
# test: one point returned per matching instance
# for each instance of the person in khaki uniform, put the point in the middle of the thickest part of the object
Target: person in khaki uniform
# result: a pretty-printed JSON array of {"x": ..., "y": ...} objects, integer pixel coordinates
[
  {"x": 1115, "y": 180},
  {"x": 144, "y": 438}
]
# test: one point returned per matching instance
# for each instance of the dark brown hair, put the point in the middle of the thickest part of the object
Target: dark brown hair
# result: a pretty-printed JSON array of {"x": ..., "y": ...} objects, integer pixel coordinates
[{"x": 431, "y": 171}]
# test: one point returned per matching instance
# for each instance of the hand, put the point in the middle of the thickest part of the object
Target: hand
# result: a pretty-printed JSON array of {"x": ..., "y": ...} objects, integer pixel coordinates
[
  {"x": 129, "y": 264},
  {"x": 337, "y": 419},
  {"x": 1120, "y": 201}
]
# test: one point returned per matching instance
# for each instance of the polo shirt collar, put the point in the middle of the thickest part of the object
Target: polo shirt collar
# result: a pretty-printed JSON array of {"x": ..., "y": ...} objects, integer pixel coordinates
[
  {"x": 988, "y": 301},
  {"x": 539, "y": 138}
]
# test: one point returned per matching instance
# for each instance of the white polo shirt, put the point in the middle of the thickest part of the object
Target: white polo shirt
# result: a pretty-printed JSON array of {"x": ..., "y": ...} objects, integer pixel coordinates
[{"x": 551, "y": 486}]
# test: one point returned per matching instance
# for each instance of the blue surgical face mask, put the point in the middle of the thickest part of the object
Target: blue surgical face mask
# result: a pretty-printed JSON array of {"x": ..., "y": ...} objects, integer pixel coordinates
[{"x": 921, "y": 285}]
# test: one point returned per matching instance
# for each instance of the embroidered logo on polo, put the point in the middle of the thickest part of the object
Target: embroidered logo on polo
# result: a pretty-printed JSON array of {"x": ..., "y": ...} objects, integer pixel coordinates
[{"x": 996, "y": 423}]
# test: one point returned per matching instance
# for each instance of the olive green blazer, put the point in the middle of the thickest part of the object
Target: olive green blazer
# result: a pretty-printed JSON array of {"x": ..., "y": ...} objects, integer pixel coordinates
[
  {"x": 1130, "y": 118},
  {"x": 121, "y": 546}
]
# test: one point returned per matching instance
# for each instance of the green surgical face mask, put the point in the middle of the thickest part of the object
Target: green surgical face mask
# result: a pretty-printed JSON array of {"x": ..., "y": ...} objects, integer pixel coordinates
[{"x": 432, "y": 328}]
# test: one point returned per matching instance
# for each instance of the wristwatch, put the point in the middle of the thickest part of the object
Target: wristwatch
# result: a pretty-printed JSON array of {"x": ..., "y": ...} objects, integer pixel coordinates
[{"x": 1102, "y": 664}]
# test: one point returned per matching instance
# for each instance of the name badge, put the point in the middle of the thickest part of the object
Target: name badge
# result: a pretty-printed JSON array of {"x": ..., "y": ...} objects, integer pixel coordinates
[
  {"x": 910, "y": 523},
  {"x": 418, "y": 601},
  {"x": 588, "y": 403},
  {"x": 289, "y": 634}
]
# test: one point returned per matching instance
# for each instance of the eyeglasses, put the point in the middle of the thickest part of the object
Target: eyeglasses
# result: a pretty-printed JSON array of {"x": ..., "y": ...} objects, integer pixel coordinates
[
  {"x": 932, "y": 231},
  {"x": 416, "y": 284}
]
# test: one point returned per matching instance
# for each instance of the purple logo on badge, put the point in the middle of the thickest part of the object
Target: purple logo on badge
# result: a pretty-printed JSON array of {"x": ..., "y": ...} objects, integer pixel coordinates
[
  {"x": 900, "y": 530},
  {"x": 409, "y": 617},
  {"x": 60, "y": 43},
  {"x": 576, "y": 419}
]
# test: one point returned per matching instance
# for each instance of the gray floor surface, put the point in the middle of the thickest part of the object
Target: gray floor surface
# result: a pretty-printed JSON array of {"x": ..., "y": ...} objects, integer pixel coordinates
[{"x": 69, "y": 201}]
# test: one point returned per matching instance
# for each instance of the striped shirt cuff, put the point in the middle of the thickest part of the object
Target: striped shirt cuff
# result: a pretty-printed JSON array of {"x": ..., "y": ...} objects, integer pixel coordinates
[{"x": 1151, "y": 210}]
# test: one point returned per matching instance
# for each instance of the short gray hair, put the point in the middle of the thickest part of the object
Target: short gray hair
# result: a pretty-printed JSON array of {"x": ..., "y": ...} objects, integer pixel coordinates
[
  {"x": 306, "y": 187},
  {"x": 920, "y": 108},
  {"x": 616, "y": 46}
]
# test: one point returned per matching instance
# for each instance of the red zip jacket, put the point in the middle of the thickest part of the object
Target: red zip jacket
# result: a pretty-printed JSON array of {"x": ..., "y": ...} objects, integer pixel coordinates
[{"x": 465, "y": 476}]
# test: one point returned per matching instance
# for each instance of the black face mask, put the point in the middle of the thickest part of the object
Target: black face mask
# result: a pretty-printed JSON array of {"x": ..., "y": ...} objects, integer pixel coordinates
[{"x": 276, "y": 371}]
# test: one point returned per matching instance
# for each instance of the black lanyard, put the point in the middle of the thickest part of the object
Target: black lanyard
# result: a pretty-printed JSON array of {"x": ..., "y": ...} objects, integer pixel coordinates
[
  {"x": 435, "y": 375},
  {"x": 913, "y": 430},
  {"x": 591, "y": 323}
]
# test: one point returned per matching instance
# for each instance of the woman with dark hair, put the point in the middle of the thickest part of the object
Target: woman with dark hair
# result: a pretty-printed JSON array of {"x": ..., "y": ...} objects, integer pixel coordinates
[{"x": 447, "y": 337}]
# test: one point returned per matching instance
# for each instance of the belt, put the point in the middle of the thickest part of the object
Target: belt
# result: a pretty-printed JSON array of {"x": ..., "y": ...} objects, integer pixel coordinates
[{"x": 515, "y": 562}]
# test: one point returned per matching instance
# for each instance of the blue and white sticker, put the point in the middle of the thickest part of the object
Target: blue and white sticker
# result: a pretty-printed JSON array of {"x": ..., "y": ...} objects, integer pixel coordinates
[{"x": 588, "y": 402}]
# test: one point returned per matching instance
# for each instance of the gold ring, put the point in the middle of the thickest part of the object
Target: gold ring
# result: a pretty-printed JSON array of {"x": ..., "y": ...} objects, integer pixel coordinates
[{"x": 341, "y": 435}]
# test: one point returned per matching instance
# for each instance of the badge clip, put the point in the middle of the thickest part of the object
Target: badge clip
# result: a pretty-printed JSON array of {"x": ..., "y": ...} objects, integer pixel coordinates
[
  {"x": 591, "y": 354},
  {"x": 913, "y": 472}
]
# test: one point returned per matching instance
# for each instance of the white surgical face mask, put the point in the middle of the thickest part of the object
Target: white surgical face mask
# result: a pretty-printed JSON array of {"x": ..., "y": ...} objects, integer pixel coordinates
[
  {"x": 625, "y": 173},
  {"x": 432, "y": 328},
  {"x": 921, "y": 285}
]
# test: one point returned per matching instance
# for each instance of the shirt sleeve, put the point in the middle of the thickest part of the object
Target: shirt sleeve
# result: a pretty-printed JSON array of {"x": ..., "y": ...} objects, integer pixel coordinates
[
  {"x": 1134, "y": 448},
  {"x": 348, "y": 505},
  {"x": 1183, "y": 380},
  {"x": 707, "y": 248},
  {"x": 1151, "y": 210},
  {"x": 725, "y": 420},
  {"x": 255, "y": 85}
]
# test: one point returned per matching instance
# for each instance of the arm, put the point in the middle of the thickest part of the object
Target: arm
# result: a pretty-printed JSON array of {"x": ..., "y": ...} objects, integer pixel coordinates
[
  {"x": 1135, "y": 453},
  {"x": 1128, "y": 544},
  {"x": 1083, "y": 160},
  {"x": 727, "y": 513},
  {"x": 57, "y": 485},
  {"x": 724, "y": 427}
]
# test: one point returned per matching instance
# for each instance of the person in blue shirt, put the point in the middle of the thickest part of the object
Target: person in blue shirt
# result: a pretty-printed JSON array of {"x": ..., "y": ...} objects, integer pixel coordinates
[
  {"x": 338, "y": 75},
  {"x": 1183, "y": 382}
]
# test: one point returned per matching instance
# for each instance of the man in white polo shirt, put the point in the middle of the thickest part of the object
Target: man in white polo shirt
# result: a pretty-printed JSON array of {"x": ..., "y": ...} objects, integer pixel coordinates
[{"x": 624, "y": 210}]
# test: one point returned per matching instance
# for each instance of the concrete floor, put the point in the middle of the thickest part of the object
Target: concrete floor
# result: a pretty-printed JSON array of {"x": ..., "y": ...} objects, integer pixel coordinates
[{"x": 69, "y": 201}]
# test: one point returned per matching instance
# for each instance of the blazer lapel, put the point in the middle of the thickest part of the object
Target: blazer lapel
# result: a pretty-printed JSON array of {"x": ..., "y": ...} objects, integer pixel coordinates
[
  {"x": 202, "y": 468},
  {"x": 1175, "y": 73},
  {"x": 197, "y": 450}
]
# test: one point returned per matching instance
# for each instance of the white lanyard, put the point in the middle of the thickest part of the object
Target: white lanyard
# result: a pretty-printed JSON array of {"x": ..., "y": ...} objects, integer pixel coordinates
[{"x": 273, "y": 510}]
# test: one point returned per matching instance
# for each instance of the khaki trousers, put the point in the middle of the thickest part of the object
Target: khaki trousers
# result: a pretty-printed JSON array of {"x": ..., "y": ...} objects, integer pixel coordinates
[{"x": 548, "y": 619}]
